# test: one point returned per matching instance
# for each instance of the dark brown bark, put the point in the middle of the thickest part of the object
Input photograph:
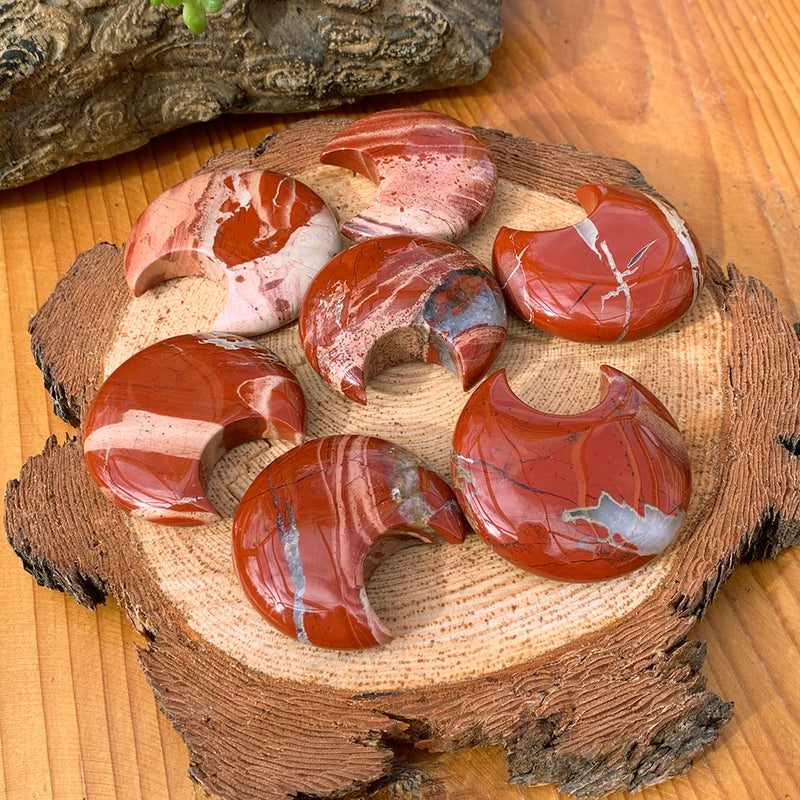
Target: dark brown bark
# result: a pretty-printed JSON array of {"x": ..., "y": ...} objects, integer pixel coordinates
[{"x": 87, "y": 79}]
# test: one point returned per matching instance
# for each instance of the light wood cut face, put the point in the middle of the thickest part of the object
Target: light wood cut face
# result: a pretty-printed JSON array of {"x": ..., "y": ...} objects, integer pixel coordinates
[
  {"x": 594, "y": 687},
  {"x": 455, "y": 612}
]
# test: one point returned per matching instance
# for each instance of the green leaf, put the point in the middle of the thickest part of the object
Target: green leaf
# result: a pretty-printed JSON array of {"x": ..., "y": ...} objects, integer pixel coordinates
[
  {"x": 194, "y": 11},
  {"x": 194, "y": 17}
]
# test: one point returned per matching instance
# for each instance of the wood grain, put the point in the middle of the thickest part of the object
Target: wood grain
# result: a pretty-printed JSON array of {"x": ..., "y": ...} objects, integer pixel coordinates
[{"x": 702, "y": 96}]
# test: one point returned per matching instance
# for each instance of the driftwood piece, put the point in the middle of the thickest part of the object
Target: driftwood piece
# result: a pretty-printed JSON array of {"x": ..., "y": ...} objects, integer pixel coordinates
[
  {"x": 595, "y": 688},
  {"x": 87, "y": 79}
]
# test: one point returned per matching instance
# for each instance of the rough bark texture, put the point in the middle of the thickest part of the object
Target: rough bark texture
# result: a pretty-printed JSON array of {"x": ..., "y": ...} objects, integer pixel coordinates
[
  {"x": 87, "y": 79},
  {"x": 614, "y": 708}
]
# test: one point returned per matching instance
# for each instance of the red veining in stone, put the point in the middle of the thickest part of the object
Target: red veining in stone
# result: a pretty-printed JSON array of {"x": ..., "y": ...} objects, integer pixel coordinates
[
  {"x": 263, "y": 233},
  {"x": 435, "y": 176},
  {"x": 572, "y": 497},
  {"x": 630, "y": 269},
  {"x": 165, "y": 416},
  {"x": 399, "y": 298},
  {"x": 316, "y": 522}
]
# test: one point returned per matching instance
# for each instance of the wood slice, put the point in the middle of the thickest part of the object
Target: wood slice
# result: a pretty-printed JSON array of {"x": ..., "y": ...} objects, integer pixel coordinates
[{"x": 593, "y": 687}]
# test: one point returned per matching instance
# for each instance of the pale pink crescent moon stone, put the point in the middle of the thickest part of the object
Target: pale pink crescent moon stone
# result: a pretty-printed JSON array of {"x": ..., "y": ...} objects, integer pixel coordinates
[
  {"x": 435, "y": 175},
  {"x": 265, "y": 234},
  {"x": 165, "y": 416}
]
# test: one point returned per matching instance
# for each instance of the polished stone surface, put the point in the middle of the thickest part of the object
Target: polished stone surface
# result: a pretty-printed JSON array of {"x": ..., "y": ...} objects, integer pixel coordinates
[
  {"x": 572, "y": 497},
  {"x": 630, "y": 269},
  {"x": 165, "y": 416},
  {"x": 316, "y": 522},
  {"x": 401, "y": 298},
  {"x": 265, "y": 234},
  {"x": 435, "y": 176}
]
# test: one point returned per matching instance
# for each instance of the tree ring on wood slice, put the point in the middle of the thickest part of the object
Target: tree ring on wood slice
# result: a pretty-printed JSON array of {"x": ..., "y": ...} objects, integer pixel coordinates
[
  {"x": 503, "y": 617},
  {"x": 588, "y": 685}
]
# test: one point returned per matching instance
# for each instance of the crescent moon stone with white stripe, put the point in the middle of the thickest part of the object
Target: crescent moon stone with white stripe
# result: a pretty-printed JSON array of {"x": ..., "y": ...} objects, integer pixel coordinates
[
  {"x": 165, "y": 416},
  {"x": 265, "y": 234},
  {"x": 401, "y": 298},
  {"x": 629, "y": 270},
  {"x": 435, "y": 176},
  {"x": 316, "y": 522},
  {"x": 572, "y": 497}
]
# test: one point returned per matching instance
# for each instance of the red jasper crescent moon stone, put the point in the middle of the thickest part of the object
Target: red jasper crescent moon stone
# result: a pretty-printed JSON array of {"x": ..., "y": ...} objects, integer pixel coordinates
[
  {"x": 165, "y": 416},
  {"x": 265, "y": 234},
  {"x": 435, "y": 175},
  {"x": 316, "y": 522},
  {"x": 401, "y": 298},
  {"x": 572, "y": 497},
  {"x": 629, "y": 270}
]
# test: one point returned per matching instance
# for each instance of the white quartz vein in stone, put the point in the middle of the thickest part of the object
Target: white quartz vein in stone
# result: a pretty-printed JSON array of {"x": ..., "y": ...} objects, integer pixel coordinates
[
  {"x": 149, "y": 432},
  {"x": 587, "y": 230},
  {"x": 650, "y": 532},
  {"x": 681, "y": 230},
  {"x": 290, "y": 542}
]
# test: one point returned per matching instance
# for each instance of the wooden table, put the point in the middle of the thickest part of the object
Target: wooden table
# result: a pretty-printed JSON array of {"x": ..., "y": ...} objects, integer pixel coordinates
[{"x": 704, "y": 97}]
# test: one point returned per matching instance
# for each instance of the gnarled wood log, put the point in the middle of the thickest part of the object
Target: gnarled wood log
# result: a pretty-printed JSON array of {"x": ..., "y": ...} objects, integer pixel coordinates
[
  {"x": 593, "y": 687},
  {"x": 87, "y": 79}
]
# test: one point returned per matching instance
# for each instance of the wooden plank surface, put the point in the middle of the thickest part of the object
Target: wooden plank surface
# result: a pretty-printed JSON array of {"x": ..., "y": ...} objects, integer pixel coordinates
[{"x": 704, "y": 97}]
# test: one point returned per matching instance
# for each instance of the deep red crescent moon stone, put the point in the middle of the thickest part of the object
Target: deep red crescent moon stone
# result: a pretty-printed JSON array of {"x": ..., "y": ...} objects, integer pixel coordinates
[
  {"x": 575, "y": 497},
  {"x": 316, "y": 522},
  {"x": 435, "y": 175},
  {"x": 630, "y": 269},
  {"x": 165, "y": 416},
  {"x": 401, "y": 298},
  {"x": 265, "y": 234}
]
